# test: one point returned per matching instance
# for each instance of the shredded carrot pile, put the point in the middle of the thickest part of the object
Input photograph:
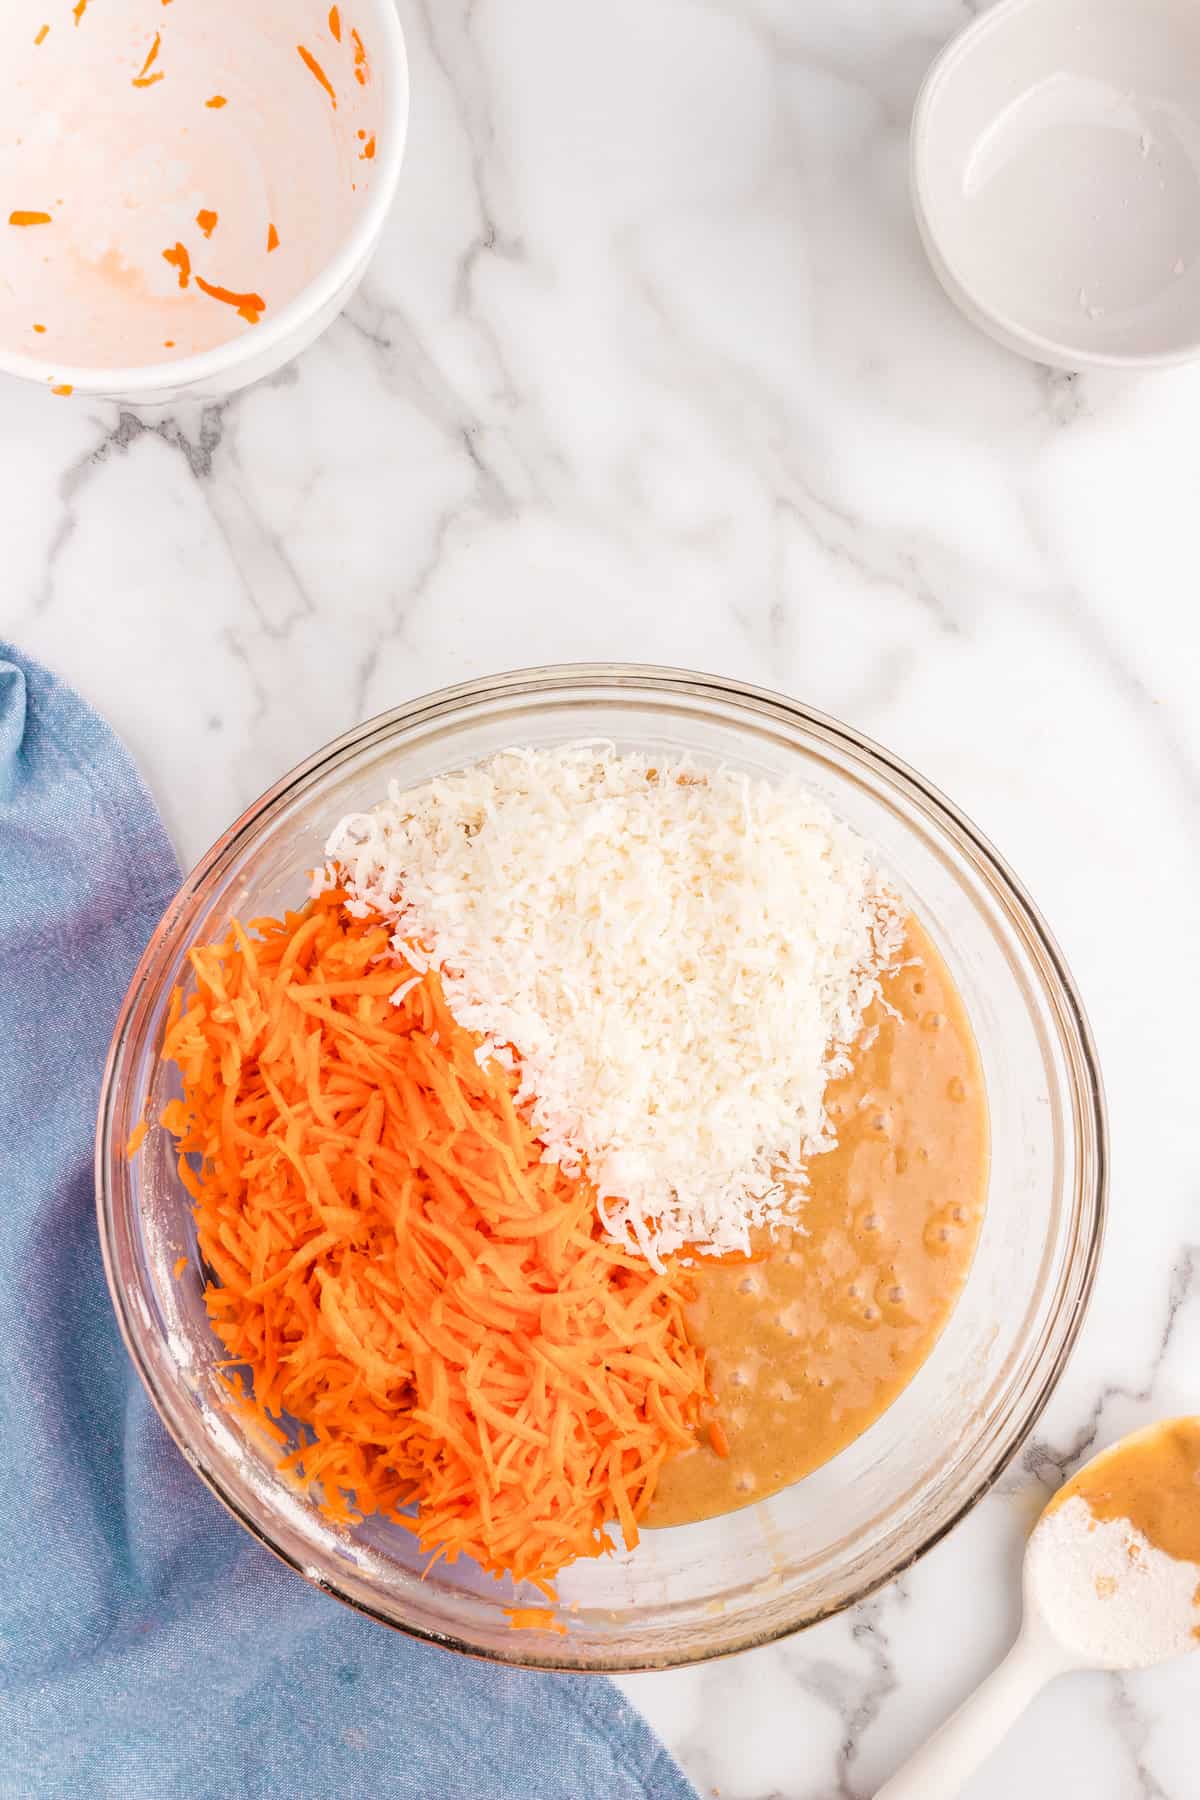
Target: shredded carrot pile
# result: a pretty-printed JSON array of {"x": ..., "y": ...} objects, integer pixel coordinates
[{"x": 401, "y": 1272}]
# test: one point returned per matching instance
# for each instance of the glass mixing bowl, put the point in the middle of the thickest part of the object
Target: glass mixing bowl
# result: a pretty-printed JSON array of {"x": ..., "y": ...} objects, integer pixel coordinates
[{"x": 708, "y": 1589}]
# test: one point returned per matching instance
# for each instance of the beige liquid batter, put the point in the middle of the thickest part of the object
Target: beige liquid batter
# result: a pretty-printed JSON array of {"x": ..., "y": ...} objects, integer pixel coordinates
[{"x": 810, "y": 1345}]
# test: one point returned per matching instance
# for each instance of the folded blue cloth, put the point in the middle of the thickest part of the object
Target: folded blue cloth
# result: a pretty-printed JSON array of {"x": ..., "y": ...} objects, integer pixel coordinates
[{"x": 148, "y": 1647}]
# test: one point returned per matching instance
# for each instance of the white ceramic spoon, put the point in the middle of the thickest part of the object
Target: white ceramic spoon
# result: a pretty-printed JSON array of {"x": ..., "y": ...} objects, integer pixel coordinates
[{"x": 1091, "y": 1601}]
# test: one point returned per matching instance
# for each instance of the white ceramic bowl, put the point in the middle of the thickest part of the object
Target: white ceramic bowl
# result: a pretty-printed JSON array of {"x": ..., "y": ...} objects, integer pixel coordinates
[
  {"x": 249, "y": 355},
  {"x": 1056, "y": 178}
]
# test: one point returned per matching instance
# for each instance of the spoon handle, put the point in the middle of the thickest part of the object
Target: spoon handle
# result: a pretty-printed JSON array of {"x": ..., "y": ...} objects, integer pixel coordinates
[{"x": 941, "y": 1767}]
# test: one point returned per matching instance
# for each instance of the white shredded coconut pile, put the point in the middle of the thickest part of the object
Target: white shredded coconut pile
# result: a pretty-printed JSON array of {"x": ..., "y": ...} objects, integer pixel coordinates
[
  {"x": 680, "y": 957},
  {"x": 1107, "y": 1592}
]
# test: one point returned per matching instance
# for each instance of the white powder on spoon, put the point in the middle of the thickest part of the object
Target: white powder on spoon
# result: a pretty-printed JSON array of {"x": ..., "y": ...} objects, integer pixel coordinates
[{"x": 1108, "y": 1593}]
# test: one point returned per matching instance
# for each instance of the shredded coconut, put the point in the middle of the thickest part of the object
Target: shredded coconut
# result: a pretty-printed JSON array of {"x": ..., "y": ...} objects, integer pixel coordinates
[
  {"x": 680, "y": 957},
  {"x": 1107, "y": 1592}
]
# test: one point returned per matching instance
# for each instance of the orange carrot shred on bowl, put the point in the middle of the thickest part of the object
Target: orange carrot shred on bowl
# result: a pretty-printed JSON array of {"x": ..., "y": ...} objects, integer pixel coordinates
[
  {"x": 39, "y": 328},
  {"x": 250, "y": 306},
  {"x": 151, "y": 54},
  {"x": 272, "y": 239},
  {"x": 362, "y": 68},
  {"x": 314, "y": 68},
  {"x": 180, "y": 260},
  {"x": 535, "y": 1618},
  {"x": 29, "y": 218},
  {"x": 397, "y": 1268},
  {"x": 145, "y": 81},
  {"x": 181, "y": 1263},
  {"x": 368, "y": 150},
  {"x": 42, "y": 35},
  {"x": 335, "y": 24},
  {"x": 207, "y": 221},
  {"x": 63, "y": 390},
  {"x": 79, "y": 9},
  {"x": 218, "y": 100},
  {"x": 137, "y": 1138}
]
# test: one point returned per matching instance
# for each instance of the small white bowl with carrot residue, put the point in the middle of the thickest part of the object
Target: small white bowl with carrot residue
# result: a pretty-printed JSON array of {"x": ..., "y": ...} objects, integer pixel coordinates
[
  {"x": 189, "y": 192},
  {"x": 316, "y": 1182}
]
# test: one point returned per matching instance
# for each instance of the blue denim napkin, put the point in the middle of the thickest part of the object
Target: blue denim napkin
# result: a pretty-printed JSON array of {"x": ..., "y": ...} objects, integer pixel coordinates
[{"x": 148, "y": 1647}]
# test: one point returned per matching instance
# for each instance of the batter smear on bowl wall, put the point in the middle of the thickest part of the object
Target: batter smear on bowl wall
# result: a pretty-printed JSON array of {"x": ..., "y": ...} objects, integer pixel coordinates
[{"x": 602, "y": 1145}]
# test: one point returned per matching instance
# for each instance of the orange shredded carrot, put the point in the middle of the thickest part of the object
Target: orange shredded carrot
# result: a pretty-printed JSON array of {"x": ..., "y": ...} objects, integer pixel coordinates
[
  {"x": 362, "y": 68},
  {"x": 368, "y": 149},
  {"x": 63, "y": 390},
  {"x": 181, "y": 1262},
  {"x": 335, "y": 24},
  {"x": 42, "y": 35},
  {"x": 137, "y": 1138},
  {"x": 250, "y": 306},
  {"x": 145, "y": 81},
  {"x": 272, "y": 239},
  {"x": 207, "y": 221},
  {"x": 29, "y": 218},
  {"x": 718, "y": 1437},
  {"x": 217, "y": 100},
  {"x": 180, "y": 260},
  {"x": 151, "y": 54},
  {"x": 535, "y": 1618},
  {"x": 397, "y": 1268},
  {"x": 39, "y": 328},
  {"x": 168, "y": 343},
  {"x": 314, "y": 68},
  {"x": 79, "y": 9}
]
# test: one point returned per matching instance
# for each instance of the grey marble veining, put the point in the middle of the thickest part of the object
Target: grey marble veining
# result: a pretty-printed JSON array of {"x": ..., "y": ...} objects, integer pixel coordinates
[{"x": 650, "y": 367}]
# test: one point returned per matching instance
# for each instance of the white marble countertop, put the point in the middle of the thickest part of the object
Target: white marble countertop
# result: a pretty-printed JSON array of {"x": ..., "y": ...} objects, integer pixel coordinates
[{"x": 651, "y": 367}]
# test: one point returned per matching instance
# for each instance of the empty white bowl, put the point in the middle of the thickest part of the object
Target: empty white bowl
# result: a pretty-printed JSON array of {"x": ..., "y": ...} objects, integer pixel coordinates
[{"x": 1056, "y": 178}]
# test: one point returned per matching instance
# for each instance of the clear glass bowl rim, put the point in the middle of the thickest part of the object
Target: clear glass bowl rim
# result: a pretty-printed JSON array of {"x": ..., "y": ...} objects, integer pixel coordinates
[{"x": 1089, "y": 1198}]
